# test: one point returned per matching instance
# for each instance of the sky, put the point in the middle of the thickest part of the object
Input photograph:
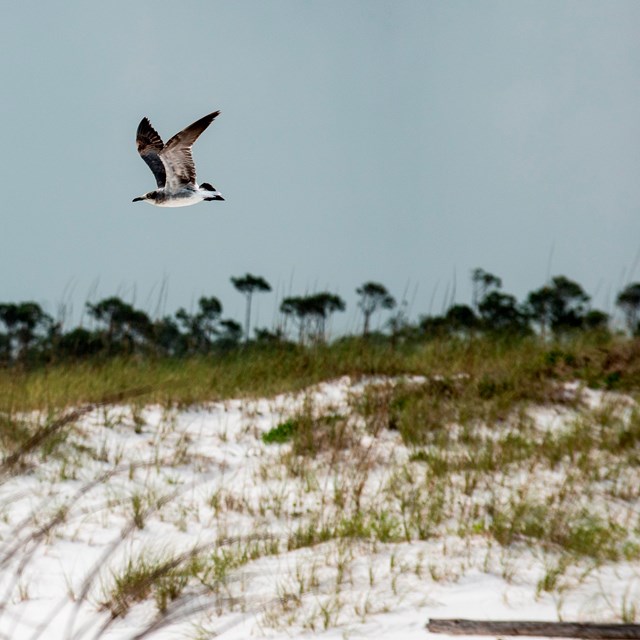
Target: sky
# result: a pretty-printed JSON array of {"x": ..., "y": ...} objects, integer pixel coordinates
[{"x": 399, "y": 141}]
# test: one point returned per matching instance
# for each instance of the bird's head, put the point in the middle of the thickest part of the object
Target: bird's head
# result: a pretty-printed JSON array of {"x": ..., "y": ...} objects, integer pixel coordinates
[{"x": 149, "y": 197}]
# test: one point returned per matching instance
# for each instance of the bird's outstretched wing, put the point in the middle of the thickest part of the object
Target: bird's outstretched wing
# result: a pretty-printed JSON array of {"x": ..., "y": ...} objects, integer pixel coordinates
[
  {"x": 150, "y": 146},
  {"x": 176, "y": 154}
]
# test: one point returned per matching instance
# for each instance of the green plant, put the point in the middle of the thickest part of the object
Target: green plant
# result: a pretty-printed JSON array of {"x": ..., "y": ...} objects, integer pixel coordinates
[
  {"x": 281, "y": 433},
  {"x": 134, "y": 582}
]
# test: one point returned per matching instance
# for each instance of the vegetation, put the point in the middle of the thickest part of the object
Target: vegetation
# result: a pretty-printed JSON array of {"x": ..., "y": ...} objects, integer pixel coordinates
[
  {"x": 311, "y": 313},
  {"x": 248, "y": 285},
  {"x": 30, "y": 337},
  {"x": 439, "y": 440},
  {"x": 629, "y": 301},
  {"x": 523, "y": 366},
  {"x": 373, "y": 296}
]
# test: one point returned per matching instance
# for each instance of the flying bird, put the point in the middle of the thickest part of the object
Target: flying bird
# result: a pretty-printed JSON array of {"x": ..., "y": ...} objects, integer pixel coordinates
[{"x": 173, "y": 166}]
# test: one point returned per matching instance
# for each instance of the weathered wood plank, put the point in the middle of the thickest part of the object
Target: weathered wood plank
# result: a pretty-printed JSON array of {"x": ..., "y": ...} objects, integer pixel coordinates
[{"x": 587, "y": 630}]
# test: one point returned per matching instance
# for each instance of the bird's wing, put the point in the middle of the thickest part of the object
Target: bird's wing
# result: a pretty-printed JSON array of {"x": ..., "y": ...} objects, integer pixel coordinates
[
  {"x": 150, "y": 146},
  {"x": 176, "y": 154}
]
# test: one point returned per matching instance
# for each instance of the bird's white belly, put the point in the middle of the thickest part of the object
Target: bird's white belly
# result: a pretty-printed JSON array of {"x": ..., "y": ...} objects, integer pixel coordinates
[{"x": 180, "y": 201}]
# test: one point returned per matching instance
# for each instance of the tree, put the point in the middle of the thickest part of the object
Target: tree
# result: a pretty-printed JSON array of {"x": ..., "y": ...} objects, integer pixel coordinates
[
  {"x": 460, "y": 319},
  {"x": 202, "y": 326},
  {"x": 399, "y": 325},
  {"x": 5, "y": 348},
  {"x": 79, "y": 343},
  {"x": 311, "y": 313},
  {"x": 500, "y": 313},
  {"x": 126, "y": 327},
  {"x": 321, "y": 306},
  {"x": 560, "y": 306},
  {"x": 266, "y": 336},
  {"x": 433, "y": 326},
  {"x": 596, "y": 320},
  {"x": 248, "y": 285},
  {"x": 540, "y": 308},
  {"x": 168, "y": 339},
  {"x": 373, "y": 296},
  {"x": 229, "y": 334},
  {"x": 26, "y": 324},
  {"x": 297, "y": 308},
  {"x": 629, "y": 301},
  {"x": 483, "y": 282}
]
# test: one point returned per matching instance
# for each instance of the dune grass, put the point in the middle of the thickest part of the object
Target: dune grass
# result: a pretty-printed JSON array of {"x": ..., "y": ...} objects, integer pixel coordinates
[
  {"x": 508, "y": 369},
  {"x": 466, "y": 379}
]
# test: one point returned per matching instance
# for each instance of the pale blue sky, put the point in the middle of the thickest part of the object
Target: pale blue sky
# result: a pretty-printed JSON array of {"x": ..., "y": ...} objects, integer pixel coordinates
[{"x": 396, "y": 141}]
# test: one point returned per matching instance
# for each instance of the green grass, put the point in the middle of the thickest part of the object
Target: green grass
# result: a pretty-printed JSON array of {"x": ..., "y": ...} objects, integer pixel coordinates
[
  {"x": 497, "y": 371},
  {"x": 281, "y": 433},
  {"x": 467, "y": 381},
  {"x": 577, "y": 532}
]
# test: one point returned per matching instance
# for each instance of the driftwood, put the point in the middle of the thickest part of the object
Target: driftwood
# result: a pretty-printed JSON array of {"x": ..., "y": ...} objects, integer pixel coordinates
[{"x": 534, "y": 628}]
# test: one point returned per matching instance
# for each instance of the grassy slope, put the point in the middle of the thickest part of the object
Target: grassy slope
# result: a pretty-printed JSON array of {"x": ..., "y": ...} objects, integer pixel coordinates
[{"x": 519, "y": 367}]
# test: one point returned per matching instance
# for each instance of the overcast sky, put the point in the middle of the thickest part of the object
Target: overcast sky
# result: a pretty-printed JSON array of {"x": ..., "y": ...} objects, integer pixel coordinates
[{"x": 397, "y": 141}]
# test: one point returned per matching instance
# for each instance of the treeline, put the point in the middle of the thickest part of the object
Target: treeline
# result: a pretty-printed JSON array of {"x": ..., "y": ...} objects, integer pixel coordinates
[{"x": 29, "y": 335}]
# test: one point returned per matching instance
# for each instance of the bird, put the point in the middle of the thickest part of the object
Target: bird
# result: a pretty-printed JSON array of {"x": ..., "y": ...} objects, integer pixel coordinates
[{"x": 173, "y": 166}]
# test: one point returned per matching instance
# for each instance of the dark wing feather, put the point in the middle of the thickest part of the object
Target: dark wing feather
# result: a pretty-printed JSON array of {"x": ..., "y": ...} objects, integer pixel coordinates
[
  {"x": 150, "y": 146},
  {"x": 176, "y": 154}
]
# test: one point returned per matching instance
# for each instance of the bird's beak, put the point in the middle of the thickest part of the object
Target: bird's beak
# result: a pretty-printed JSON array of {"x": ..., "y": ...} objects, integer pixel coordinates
[{"x": 137, "y": 199}]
